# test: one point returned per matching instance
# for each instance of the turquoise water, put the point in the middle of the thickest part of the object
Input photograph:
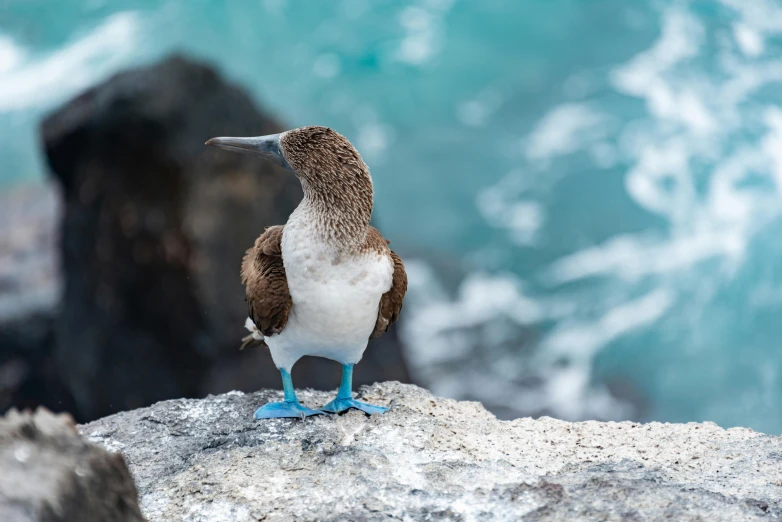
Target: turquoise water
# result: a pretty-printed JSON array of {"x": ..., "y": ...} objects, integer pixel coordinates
[{"x": 608, "y": 175}]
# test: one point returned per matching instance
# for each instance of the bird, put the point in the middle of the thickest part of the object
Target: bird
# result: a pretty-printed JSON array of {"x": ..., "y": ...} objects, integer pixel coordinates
[{"x": 326, "y": 282}]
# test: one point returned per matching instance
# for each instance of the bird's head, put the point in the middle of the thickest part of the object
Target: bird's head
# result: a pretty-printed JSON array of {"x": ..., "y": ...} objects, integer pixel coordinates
[{"x": 315, "y": 154}]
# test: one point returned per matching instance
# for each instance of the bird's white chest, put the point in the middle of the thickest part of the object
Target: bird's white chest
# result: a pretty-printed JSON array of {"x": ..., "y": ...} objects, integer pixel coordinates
[{"x": 335, "y": 296}]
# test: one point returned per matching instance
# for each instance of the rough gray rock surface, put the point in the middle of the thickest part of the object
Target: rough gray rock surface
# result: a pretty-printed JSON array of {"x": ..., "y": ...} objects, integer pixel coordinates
[
  {"x": 50, "y": 474},
  {"x": 430, "y": 458}
]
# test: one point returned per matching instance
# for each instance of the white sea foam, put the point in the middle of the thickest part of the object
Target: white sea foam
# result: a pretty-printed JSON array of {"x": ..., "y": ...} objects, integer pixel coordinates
[
  {"x": 565, "y": 129},
  {"x": 631, "y": 257},
  {"x": 476, "y": 111},
  {"x": 423, "y": 27},
  {"x": 645, "y": 75},
  {"x": 750, "y": 40},
  {"x": 43, "y": 81},
  {"x": 11, "y": 55},
  {"x": 522, "y": 218}
]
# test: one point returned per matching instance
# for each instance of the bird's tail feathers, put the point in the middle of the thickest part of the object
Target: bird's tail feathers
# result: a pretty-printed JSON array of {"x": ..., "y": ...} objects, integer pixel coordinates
[{"x": 255, "y": 338}]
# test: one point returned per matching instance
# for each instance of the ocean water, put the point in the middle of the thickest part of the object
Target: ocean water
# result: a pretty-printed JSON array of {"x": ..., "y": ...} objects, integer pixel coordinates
[{"x": 588, "y": 192}]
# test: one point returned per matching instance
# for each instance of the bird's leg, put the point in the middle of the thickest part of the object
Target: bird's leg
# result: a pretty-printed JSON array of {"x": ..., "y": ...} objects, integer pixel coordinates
[
  {"x": 344, "y": 400},
  {"x": 290, "y": 407}
]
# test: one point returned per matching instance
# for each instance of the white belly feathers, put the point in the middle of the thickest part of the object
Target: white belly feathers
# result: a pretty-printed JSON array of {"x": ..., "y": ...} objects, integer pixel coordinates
[{"x": 335, "y": 299}]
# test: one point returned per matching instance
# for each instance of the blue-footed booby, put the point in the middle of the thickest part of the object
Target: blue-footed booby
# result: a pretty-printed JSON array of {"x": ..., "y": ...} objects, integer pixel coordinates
[{"x": 325, "y": 283}]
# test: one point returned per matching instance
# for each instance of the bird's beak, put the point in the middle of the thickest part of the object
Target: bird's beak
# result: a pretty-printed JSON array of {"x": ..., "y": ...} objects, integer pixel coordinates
[{"x": 267, "y": 147}]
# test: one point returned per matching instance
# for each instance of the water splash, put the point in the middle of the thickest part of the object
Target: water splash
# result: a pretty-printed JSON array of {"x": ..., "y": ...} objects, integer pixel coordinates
[{"x": 29, "y": 83}]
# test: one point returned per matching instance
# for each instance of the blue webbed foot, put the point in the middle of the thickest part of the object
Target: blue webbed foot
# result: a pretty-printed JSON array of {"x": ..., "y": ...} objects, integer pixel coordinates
[
  {"x": 276, "y": 410},
  {"x": 339, "y": 405}
]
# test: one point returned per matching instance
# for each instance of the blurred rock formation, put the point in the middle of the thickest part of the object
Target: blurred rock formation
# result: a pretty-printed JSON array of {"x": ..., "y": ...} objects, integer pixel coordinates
[
  {"x": 30, "y": 288},
  {"x": 153, "y": 231},
  {"x": 50, "y": 474}
]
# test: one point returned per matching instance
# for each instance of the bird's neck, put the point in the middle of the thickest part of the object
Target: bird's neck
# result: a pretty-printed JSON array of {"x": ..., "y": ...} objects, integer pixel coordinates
[{"x": 339, "y": 209}]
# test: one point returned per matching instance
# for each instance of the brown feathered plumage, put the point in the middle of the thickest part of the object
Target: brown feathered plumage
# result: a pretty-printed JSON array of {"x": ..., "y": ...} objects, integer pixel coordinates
[
  {"x": 263, "y": 276},
  {"x": 391, "y": 301},
  {"x": 268, "y": 298}
]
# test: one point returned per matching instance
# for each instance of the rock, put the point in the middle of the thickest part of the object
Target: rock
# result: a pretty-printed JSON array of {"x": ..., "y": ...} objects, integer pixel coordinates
[
  {"x": 155, "y": 226},
  {"x": 50, "y": 474},
  {"x": 29, "y": 265},
  {"x": 430, "y": 458},
  {"x": 30, "y": 288}
]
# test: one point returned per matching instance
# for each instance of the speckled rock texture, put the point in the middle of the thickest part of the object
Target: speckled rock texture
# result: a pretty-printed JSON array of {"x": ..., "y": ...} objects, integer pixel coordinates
[
  {"x": 430, "y": 458},
  {"x": 50, "y": 474}
]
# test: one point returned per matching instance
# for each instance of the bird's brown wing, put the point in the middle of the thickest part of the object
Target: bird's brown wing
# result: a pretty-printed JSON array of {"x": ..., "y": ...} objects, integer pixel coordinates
[
  {"x": 391, "y": 301},
  {"x": 263, "y": 275}
]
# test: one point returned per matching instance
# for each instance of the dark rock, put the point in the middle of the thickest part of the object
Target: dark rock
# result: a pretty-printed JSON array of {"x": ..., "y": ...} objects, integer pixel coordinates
[
  {"x": 430, "y": 458},
  {"x": 50, "y": 474},
  {"x": 30, "y": 287},
  {"x": 154, "y": 229}
]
